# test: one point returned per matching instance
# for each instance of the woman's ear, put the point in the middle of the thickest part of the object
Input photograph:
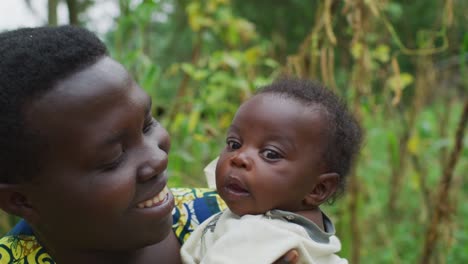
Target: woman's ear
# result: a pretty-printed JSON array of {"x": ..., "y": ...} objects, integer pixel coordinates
[
  {"x": 326, "y": 186},
  {"x": 15, "y": 202}
]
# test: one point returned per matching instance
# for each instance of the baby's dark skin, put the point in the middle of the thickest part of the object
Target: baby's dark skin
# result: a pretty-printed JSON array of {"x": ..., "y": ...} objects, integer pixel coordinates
[{"x": 273, "y": 158}]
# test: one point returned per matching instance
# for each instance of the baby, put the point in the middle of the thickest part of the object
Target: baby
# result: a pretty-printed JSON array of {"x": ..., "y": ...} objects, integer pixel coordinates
[{"x": 288, "y": 150}]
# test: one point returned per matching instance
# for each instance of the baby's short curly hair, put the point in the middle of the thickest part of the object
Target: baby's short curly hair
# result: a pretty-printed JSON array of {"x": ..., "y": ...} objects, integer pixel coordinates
[
  {"x": 32, "y": 61},
  {"x": 345, "y": 136}
]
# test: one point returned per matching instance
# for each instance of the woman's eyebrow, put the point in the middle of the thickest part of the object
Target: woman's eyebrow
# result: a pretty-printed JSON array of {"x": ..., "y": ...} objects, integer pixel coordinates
[
  {"x": 114, "y": 138},
  {"x": 148, "y": 105}
]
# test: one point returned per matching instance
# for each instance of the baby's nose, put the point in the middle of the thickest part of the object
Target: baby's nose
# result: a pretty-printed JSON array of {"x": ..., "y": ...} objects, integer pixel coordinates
[{"x": 241, "y": 160}]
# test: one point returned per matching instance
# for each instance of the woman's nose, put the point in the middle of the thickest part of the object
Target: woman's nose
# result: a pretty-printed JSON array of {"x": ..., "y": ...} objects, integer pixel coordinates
[
  {"x": 163, "y": 140},
  {"x": 241, "y": 159},
  {"x": 154, "y": 161}
]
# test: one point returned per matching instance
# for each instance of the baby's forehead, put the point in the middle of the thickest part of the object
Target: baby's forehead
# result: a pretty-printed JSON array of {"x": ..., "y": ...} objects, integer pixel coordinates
[
  {"x": 274, "y": 111},
  {"x": 276, "y": 100}
]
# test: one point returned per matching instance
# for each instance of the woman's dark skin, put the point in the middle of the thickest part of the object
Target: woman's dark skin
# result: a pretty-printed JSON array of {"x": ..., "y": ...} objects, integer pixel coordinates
[{"x": 108, "y": 156}]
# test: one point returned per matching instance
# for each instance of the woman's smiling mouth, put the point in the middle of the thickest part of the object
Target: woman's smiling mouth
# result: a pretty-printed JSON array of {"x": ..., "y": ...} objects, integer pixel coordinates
[{"x": 158, "y": 199}]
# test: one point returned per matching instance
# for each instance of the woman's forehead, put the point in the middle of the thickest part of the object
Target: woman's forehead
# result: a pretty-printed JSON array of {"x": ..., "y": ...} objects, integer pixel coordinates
[
  {"x": 106, "y": 73},
  {"x": 95, "y": 99},
  {"x": 99, "y": 82}
]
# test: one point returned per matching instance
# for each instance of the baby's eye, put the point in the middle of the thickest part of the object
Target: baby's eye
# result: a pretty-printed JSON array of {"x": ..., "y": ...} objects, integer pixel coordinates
[
  {"x": 232, "y": 144},
  {"x": 271, "y": 155}
]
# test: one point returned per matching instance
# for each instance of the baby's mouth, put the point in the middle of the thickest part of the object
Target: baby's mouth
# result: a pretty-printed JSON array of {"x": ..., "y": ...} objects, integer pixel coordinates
[
  {"x": 237, "y": 187},
  {"x": 158, "y": 199},
  {"x": 234, "y": 187}
]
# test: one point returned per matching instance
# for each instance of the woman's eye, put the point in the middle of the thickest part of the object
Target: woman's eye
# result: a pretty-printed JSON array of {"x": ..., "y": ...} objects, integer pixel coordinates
[
  {"x": 148, "y": 126},
  {"x": 233, "y": 145},
  {"x": 271, "y": 154},
  {"x": 114, "y": 164}
]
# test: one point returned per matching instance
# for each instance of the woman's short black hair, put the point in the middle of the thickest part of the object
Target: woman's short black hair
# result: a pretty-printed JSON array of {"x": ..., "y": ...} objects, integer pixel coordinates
[
  {"x": 32, "y": 61},
  {"x": 345, "y": 136}
]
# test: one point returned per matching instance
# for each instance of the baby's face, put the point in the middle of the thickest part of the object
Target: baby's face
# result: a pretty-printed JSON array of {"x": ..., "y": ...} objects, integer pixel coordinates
[
  {"x": 103, "y": 182},
  {"x": 273, "y": 155}
]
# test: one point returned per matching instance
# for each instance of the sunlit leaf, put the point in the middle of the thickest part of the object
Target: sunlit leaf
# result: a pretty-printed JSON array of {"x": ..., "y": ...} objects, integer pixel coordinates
[
  {"x": 201, "y": 138},
  {"x": 382, "y": 53},
  {"x": 413, "y": 144},
  {"x": 193, "y": 119},
  {"x": 401, "y": 81},
  {"x": 357, "y": 50}
]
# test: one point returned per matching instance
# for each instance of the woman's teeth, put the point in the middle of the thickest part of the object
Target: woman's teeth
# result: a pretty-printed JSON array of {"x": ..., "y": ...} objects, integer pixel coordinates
[{"x": 155, "y": 200}]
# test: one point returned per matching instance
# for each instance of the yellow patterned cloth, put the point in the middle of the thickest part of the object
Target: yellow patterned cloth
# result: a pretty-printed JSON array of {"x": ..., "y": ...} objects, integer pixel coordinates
[{"x": 192, "y": 206}]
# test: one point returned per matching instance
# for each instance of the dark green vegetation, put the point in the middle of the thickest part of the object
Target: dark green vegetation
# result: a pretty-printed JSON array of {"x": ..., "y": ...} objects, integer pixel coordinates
[{"x": 401, "y": 65}]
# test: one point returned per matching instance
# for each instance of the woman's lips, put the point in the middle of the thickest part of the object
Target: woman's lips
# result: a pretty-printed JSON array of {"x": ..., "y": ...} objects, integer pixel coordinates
[{"x": 158, "y": 199}]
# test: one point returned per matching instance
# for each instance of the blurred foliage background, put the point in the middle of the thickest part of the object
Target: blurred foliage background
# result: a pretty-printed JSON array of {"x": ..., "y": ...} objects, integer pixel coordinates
[{"x": 400, "y": 65}]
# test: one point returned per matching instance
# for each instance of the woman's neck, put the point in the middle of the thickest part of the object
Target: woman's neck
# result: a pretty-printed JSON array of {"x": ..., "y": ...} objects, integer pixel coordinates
[{"x": 166, "y": 251}]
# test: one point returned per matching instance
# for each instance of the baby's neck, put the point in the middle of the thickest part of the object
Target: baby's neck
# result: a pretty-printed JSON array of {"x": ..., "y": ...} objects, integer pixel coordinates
[{"x": 314, "y": 215}]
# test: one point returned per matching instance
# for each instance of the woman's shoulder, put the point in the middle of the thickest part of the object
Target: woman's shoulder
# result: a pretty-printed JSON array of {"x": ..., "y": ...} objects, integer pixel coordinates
[
  {"x": 192, "y": 207},
  {"x": 21, "y": 246}
]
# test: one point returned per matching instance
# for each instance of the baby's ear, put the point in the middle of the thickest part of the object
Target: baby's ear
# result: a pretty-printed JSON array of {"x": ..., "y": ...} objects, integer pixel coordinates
[
  {"x": 326, "y": 186},
  {"x": 13, "y": 201}
]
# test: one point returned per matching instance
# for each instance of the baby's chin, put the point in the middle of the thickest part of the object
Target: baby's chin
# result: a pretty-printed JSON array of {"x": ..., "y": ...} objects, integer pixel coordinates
[{"x": 241, "y": 211}]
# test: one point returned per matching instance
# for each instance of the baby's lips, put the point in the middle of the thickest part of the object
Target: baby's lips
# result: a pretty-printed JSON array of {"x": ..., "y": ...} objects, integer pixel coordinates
[
  {"x": 237, "y": 188},
  {"x": 235, "y": 184}
]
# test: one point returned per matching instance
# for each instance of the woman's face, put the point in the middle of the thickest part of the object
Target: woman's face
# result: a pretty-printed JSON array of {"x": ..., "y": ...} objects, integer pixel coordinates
[{"x": 102, "y": 185}]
